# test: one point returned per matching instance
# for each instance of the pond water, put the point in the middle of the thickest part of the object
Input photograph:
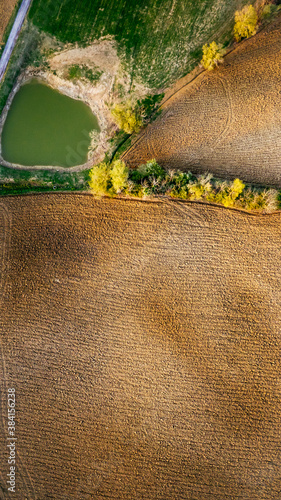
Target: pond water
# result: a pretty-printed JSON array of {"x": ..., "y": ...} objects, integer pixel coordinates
[{"x": 45, "y": 127}]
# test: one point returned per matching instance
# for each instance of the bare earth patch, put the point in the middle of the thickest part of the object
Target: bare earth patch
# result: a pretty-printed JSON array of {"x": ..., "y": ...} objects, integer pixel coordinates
[
  {"x": 143, "y": 341},
  {"x": 227, "y": 121}
]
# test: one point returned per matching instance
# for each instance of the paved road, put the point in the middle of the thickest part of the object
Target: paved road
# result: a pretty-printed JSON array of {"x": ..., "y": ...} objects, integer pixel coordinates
[{"x": 13, "y": 36}]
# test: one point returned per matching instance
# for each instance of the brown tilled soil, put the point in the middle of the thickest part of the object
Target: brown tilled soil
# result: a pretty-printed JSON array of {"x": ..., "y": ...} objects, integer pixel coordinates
[
  {"x": 143, "y": 341},
  {"x": 227, "y": 121},
  {"x": 6, "y": 10}
]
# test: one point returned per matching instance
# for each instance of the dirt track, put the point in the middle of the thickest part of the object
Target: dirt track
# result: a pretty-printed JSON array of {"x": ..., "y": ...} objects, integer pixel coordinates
[
  {"x": 227, "y": 121},
  {"x": 143, "y": 341}
]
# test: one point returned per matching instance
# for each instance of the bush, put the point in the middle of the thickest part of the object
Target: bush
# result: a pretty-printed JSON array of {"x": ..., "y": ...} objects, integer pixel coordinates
[
  {"x": 266, "y": 200},
  {"x": 108, "y": 180},
  {"x": 119, "y": 175},
  {"x": 181, "y": 193},
  {"x": 212, "y": 55},
  {"x": 127, "y": 118},
  {"x": 77, "y": 72},
  {"x": 201, "y": 187},
  {"x": 226, "y": 194},
  {"x": 99, "y": 179},
  {"x": 149, "y": 105},
  {"x": 268, "y": 9},
  {"x": 246, "y": 21},
  {"x": 151, "y": 169}
]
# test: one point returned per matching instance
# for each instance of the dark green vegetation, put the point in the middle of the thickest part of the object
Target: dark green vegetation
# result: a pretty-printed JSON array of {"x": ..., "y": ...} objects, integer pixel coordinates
[
  {"x": 44, "y": 127},
  {"x": 160, "y": 40},
  {"x": 78, "y": 72},
  {"x": 15, "y": 181},
  {"x": 26, "y": 52}
]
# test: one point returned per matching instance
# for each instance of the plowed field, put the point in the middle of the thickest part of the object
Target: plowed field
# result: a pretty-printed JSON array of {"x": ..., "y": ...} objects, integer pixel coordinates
[
  {"x": 143, "y": 342},
  {"x": 227, "y": 121},
  {"x": 6, "y": 10}
]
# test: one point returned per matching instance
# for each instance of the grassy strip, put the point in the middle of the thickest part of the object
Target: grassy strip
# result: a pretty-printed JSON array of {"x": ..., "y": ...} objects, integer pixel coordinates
[
  {"x": 13, "y": 181},
  {"x": 26, "y": 52}
]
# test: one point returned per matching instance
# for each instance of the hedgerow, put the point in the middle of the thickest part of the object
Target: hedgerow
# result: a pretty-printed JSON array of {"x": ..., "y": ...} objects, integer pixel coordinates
[{"x": 151, "y": 180}]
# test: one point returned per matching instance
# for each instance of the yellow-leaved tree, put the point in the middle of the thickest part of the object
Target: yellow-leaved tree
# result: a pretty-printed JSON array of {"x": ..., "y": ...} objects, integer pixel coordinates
[
  {"x": 246, "y": 21},
  {"x": 119, "y": 175},
  {"x": 212, "y": 55},
  {"x": 105, "y": 179},
  {"x": 99, "y": 179},
  {"x": 228, "y": 194},
  {"x": 126, "y": 117}
]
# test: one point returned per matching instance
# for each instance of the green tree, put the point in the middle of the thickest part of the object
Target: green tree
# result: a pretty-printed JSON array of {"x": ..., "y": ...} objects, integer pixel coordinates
[
  {"x": 151, "y": 169},
  {"x": 246, "y": 21},
  {"x": 212, "y": 55}
]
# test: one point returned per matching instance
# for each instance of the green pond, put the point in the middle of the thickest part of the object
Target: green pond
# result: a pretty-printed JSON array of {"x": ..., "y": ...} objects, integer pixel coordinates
[{"x": 44, "y": 127}]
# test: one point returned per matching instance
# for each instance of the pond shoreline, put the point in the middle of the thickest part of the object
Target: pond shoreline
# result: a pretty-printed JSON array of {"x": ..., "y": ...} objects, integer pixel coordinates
[{"x": 44, "y": 78}]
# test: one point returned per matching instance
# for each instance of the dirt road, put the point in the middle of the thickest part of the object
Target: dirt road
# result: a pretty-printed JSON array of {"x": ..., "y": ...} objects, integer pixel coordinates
[{"x": 13, "y": 36}]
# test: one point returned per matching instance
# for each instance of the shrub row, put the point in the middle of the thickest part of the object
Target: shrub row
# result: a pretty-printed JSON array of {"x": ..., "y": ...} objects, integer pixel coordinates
[{"x": 151, "y": 180}]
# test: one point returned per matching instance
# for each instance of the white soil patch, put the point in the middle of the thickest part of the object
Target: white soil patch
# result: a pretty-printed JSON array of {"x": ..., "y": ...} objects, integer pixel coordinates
[{"x": 101, "y": 53}]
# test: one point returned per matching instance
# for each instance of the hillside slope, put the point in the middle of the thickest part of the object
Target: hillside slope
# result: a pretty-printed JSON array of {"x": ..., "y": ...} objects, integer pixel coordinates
[
  {"x": 227, "y": 121},
  {"x": 143, "y": 341},
  {"x": 160, "y": 40}
]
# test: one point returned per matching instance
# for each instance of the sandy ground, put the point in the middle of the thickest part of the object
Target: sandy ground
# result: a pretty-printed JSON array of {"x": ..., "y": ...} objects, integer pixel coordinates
[
  {"x": 227, "y": 121},
  {"x": 143, "y": 341},
  {"x": 6, "y": 10}
]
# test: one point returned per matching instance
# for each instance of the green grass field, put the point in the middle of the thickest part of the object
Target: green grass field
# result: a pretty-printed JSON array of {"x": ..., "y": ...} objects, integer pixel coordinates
[{"x": 160, "y": 40}]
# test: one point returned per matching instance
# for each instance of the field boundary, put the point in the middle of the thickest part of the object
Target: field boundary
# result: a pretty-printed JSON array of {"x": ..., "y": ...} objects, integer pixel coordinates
[
  {"x": 236, "y": 46},
  {"x": 198, "y": 73},
  {"x": 159, "y": 199}
]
